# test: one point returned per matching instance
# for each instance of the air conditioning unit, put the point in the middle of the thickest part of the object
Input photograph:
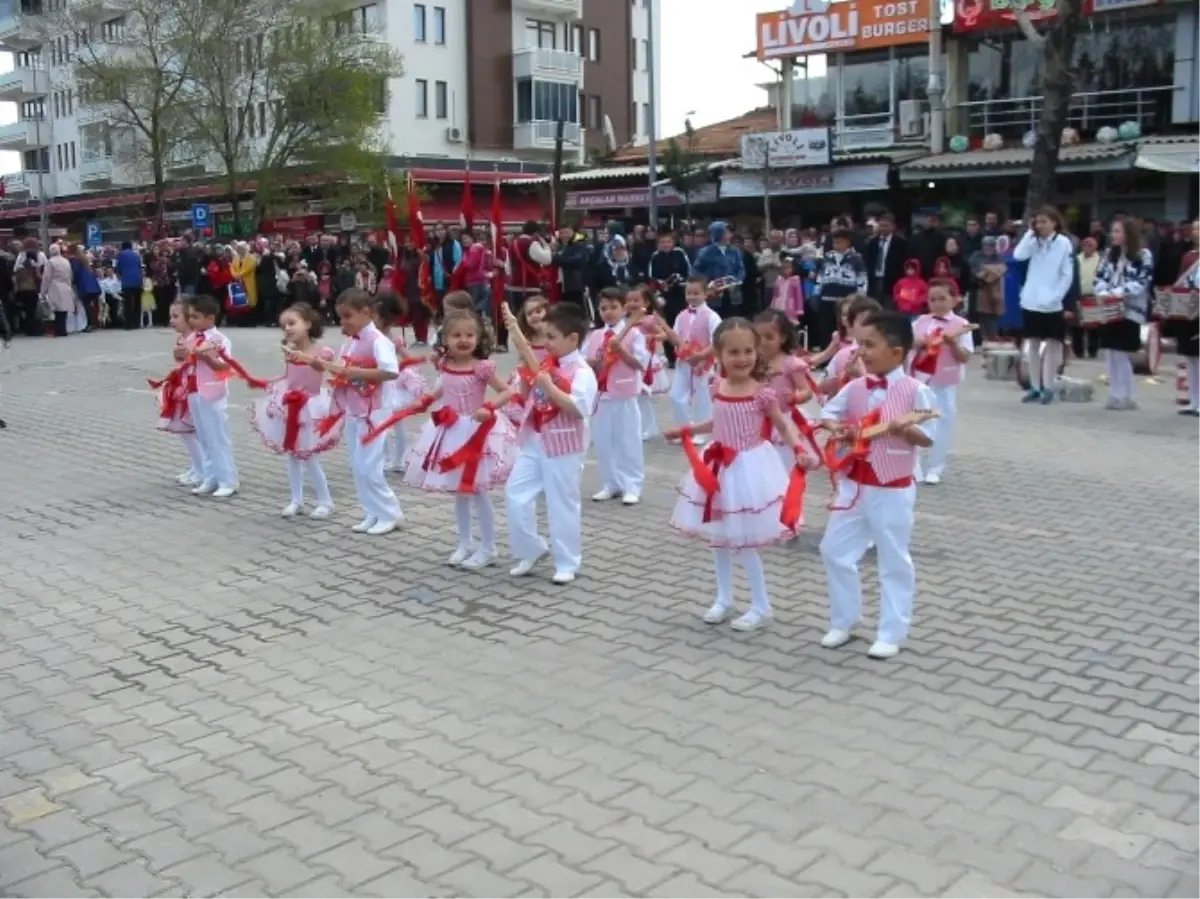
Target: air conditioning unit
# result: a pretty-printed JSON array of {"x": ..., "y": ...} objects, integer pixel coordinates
[
  {"x": 913, "y": 121},
  {"x": 454, "y": 135}
]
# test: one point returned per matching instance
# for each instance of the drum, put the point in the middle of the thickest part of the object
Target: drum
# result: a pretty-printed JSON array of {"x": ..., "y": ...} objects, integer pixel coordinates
[
  {"x": 1097, "y": 311},
  {"x": 1001, "y": 363},
  {"x": 1073, "y": 390},
  {"x": 1183, "y": 305},
  {"x": 1147, "y": 360}
]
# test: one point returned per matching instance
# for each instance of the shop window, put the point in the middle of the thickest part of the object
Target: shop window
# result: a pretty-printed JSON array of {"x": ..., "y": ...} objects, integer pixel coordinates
[{"x": 866, "y": 86}]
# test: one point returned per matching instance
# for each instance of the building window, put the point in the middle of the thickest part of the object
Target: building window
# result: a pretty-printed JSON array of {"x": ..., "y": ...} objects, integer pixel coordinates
[
  {"x": 419, "y": 22},
  {"x": 593, "y": 111},
  {"x": 439, "y": 25},
  {"x": 540, "y": 34},
  {"x": 633, "y": 116},
  {"x": 646, "y": 129},
  {"x": 577, "y": 43},
  {"x": 633, "y": 53},
  {"x": 547, "y": 101},
  {"x": 72, "y": 154},
  {"x": 58, "y": 152},
  {"x": 422, "y": 98},
  {"x": 441, "y": 103},
  {"x": 645, "y": 55},
  {"x": 112, "y": 30},
  {"x": 36, "y": 160},
  {"x": 593, "y": 47},
  {"x": 33, "y": 109}
]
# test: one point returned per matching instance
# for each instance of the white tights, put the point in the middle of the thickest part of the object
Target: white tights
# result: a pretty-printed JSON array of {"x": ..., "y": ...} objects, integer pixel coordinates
[
  {"x": 755, "y": 575},
  {"x": 1120, "y": 375},
  {"x": 296, "y": 472},
  {"x": 482, "y": 504},
  {"x": 1043, "y": 358}
]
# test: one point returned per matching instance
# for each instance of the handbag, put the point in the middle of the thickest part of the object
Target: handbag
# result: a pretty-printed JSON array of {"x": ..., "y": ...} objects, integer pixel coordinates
[{"x": 237, "y": 295}]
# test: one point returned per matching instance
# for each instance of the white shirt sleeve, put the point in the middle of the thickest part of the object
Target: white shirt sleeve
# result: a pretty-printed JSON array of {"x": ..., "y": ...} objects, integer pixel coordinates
[
  {"x": 385, "y": 355},
  {"x": 584, "y": 391},
  {"x": 923, "y": 401},
  {"x": 966, "y": 340},
  {"x": 714, "y": 322},
  {"x": 638, "y": 350},
  {"x": 1024, "y": 248},
  {"x": 835, "y": 408}
]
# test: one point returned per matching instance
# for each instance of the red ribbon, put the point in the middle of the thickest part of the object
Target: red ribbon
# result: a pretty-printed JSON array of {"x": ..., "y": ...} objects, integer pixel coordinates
[
  {"x": 792, "y": 513},
  {"x": 169, "y": 403},
  {"x": 394, "y": 419},
  {"x": 236, "y": 368},
  {"x": 859, "y": 448},
  {"x": 926, "y": 361},
  {"x": 706, "y": 468},
  {"x": 469, "y": 456},
  {"x": 341, "y": 382},
  {"x": 443, "y": 417},
  {"x": 543, "y": 413},
  {"x": 293, "y": 403},
  {"x": 691, "y": 350},
  {"x": 608, "y": 358},
  {"x": 648, "y": 372}
]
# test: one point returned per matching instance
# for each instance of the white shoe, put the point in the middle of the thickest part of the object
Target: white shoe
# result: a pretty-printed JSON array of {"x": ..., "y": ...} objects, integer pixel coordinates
[
  {"x": 717, "y": 613},
  {"x": 751, "y": 621},
  {"x": 224, "y": 492},
  {"x": 603, "y": 495},
  {"x": 881, "y": 650},
  {"x": 291, "y": 510},
  {"x": 562, "y": 577},
  {"x": 459, "y": 556},
  {"x": 631, "y": 499},
  {"x": 321, "y": 512},
  {"x": 365, "y": 525},
  {"x": 932, "y": 478},
  {"x": 204, "y": 488},
  {"x": 189, "y": 479},
  {"x": 525, "y": 566},
  {"x": 481, "y": 559},
  {"x": 398, "y": 468},
  {"x": 382, "y": 527},
  {"x": 835, "y": 638}
]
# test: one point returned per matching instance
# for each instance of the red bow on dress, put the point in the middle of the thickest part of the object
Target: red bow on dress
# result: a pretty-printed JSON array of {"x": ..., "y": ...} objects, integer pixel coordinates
[
  {"x": 172, "y": 385},
  {"x": 293, "y": 403},
  {"x": 706, "y": 468},
  {"x": 469, "y": 456}
]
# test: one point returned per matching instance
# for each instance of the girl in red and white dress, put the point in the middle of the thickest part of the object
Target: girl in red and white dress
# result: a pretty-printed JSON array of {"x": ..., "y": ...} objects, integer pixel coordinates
[
  {"x": 464, "y": 447},
  {"x": 286, "y": 418},
  {"x": 739, "y": 495},
  {"x": 844, "y": 367},
  {"x": 531, "y": 318},
  {"x": 942, "y": 365},
  {"x": 409, "y": 385},
  {"x": 655, "y": 380},
  {"x": 174, "y": 415},
  {"x": 788, "y": 376}
]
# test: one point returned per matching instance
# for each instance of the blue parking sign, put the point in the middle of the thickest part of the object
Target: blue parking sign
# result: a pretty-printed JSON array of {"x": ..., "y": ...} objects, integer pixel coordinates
[
  {"x": 201, "y": 220},
  {"x": 95, "y": 236}
]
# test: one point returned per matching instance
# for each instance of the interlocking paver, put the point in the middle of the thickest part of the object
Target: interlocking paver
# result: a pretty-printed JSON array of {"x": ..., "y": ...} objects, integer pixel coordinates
[{"x": 281, "y": 708}]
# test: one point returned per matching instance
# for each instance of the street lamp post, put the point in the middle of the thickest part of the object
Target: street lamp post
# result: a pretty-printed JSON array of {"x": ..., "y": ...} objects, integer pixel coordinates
[{"x": 651, "y": 107}]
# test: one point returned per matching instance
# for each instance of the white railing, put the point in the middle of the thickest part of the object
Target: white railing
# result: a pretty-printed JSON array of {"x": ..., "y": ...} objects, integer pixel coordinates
[
  {"x": 533, "y": 62},
  {"x": 541, "y": 134},
  {"x": 573, "y": 8},
  {"x": 1148, "y": 106},
  {"x": 17, "y": 183},
  {"x": 95, "y": 166}
]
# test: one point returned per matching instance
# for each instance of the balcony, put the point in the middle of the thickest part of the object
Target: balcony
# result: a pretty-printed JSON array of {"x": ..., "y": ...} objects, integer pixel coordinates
[
  {"x": 1012, "y": 117},
  {"x": 20, "y": 31},
  {"x": 95, "y": 170},
  {"x": 548, "y": 65},
  {"x": 540, "y": 135},
  {"x": 19, "y": 185},
  {"x": 24, "y": 134},
  {"x": 93, "y": 113},
  {"x": 571, "y": 9},
  {"x": 23, "y": 83},
  {"x": 99, "y": 10}
]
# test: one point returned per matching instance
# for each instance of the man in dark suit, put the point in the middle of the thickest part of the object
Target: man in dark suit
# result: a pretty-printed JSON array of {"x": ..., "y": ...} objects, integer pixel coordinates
[{"x": 885, "y": 256}]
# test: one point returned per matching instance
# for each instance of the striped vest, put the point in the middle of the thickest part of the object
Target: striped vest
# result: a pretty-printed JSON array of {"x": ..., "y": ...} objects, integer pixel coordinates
[
  {"x": 890, "y": 457},
  {"x": 211, "y": 385},
  {"x": 617, "y": 380},
  {"x": 949, "y": 372},
  {"x": 560, "y": 435}
]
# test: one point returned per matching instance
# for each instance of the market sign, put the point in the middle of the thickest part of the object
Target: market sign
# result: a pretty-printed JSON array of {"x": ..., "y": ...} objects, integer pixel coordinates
[
  {"x": 799, "y": 148},
  {"x": 638, "y": 197},
  {"x": 819, "y": 26},
  {"x": 842, "y": 179}
]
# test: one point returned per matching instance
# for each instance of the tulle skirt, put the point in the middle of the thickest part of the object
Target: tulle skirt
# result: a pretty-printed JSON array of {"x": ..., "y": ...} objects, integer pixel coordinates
[
  {"x": 179, "y": 421},
  {"x": 436, "y": 443},
  {"x": 269, "y": 418},
  {"x": 745, "y": 512},
  {"x": 660, "y": 376}
]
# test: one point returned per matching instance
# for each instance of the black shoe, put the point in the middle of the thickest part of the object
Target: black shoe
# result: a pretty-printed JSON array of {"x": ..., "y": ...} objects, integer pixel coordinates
[{"x": 3, "y": 424}]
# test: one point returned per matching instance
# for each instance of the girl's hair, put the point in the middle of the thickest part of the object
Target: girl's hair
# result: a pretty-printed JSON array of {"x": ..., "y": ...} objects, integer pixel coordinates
[
  {"x": 648, "y": 299},
  {"x": 531, "y": 302},
  {"x": 737, "y": 323},
  {"x": 390, "y": 307},
  {"x": 1133, "y": 240},
  {"x": 458, "y": 300},
  {"x": 204, "y": 305},
  {"x": 1052, "y": 213},
  {"x": 483, "y": 340},
  {"x": 355, "y": 299},
  {"x": 857, "y": 305},
  {"x": 789, "y": 339},
  {"x": 310, "y": 317}
]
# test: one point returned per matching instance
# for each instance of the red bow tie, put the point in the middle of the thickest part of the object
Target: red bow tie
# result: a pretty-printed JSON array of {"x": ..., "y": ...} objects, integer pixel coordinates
[
  {"x": 940, "y": 318},
  {"x": 876, "y": 383}
]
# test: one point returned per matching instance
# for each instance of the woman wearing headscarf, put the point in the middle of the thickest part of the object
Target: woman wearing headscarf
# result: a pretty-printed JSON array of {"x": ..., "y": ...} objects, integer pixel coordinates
[
  {"x": 58, "y": 287},
  {"x": 988, "y": 269}
]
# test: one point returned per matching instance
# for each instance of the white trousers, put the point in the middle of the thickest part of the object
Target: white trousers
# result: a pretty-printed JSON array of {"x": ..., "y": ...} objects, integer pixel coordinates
[
  {"x": 195, "y": 452},
  {"x": 649, "y": 419},
  {"x": 211, "y": 420},
  {"x": 366, "y": 465},
  {"x": 690, "y": 398},
  {"x": 617, "y": 437},
  {"x": 883, "y": 515},
  {"x": 397, "y": 447},
  {"x": 1120, "y": 375},
  {"x": 558, "y": 478},
  {"x": 297, "y": 469},
  {"x": 945, "y": 403}
]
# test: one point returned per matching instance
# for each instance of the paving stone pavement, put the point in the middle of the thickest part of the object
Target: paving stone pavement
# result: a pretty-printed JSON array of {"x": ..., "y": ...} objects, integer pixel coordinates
[{"x": 204, "y": 699}]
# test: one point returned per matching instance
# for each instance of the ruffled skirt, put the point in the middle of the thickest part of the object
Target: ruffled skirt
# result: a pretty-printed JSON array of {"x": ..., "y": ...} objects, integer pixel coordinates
[
  {"x": 436, "y": 443},
  {"x": 746, "y": 511},
  {"x": 269, "y": 416},
  {"x": 179, "y": 418}
]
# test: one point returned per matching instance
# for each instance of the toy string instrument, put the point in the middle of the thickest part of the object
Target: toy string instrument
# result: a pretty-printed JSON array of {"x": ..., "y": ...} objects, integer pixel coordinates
[
  {"x": 609, "y": 355},
  {"x": 542, "y": 410},
  {"x": 926, "y": 361},
  {"x": 841, "y": 452},
  {"x": 720, "y": 285},
  {"x": 663, "y": 285}
]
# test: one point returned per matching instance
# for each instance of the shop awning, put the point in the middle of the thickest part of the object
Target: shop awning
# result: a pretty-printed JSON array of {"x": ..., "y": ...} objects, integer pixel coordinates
[
  {"x": 1174, "y": 157},
  {"x": 1016, "y": 161}
]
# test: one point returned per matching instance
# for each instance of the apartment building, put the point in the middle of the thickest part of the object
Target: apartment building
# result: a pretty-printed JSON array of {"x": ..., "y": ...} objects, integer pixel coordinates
[{"x": 484, "y": 78}]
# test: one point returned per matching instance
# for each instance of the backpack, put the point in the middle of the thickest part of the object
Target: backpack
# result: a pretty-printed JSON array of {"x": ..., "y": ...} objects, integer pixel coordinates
[{"x": 26, "y": 277}]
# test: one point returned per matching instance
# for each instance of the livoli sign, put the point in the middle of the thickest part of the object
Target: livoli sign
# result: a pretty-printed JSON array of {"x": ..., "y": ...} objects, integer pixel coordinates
[
  {"x": 800, "y": 148},
  {"x": 818, "y": 26}
]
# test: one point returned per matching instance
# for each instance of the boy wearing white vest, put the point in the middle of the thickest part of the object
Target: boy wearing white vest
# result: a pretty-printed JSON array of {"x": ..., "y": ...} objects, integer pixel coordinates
[
  {"x": 942, "y": 345},
  {"x": 876, "y": 497},
  {"x": 553, "y": 441},
  {"x": 692, "y": 336},
  {"x": 617, "y": 353}
]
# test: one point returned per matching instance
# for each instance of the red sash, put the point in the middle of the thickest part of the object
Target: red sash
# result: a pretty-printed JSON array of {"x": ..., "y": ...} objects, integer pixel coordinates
[
  {"x": 169, "y": 403},
  {"x": 293, "y": 403},
  {"x": 469, "y": 456},
  {"x": 395, "y": 418}
]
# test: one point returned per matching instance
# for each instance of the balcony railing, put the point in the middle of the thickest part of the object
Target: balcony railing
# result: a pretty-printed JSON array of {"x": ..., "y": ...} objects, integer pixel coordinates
[
  {"x": 570, "y": 8},
  {"x": 95, "y": 167},
  {"x": 1150, "y": 107},
  {"x": 552, "y": 65},
  {"x": 24, "y": 134},
  {"x": 540, "y": 135},
  {"x": 23, "y": 83},
  {"x": 19, "y": 31},
  {"x": 19, "y": 183}
]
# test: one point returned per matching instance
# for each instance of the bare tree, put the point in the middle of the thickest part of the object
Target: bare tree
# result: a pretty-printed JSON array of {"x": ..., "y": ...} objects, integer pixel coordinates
[
  {"x": 305, "y": 95},
  {"x": 1057, "y": 44},
  {"x": 130, "y": 65}
]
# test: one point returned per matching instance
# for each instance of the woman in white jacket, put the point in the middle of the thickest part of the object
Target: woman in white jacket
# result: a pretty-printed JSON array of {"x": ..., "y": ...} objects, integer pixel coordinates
[
  {"x": 1051, "y": 258},
  {"x": 1126, "y": 273}
]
